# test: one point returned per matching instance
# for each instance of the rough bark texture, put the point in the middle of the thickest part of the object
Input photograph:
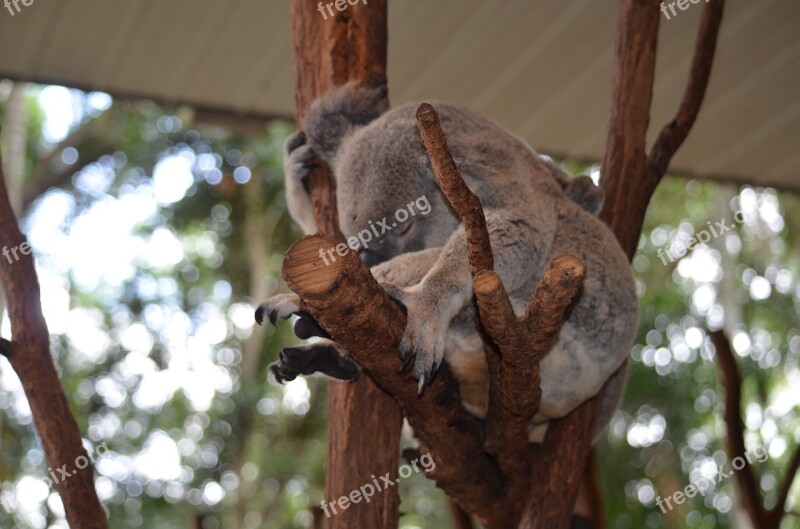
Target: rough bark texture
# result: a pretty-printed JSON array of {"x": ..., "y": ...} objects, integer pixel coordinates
[
  {"x": 345, "y": 299},
  {"x": 28, "y": 352},
  {"x": 328, "y": 53},
  {"x": 628, "y": 182},
  {"x": 364, "y": 422},
  {"x": 518, "y": 344},
  {"x": 352, "y": 307},
  {"x": 455, "y": 190},
  {"x": 515, "y": 392}
]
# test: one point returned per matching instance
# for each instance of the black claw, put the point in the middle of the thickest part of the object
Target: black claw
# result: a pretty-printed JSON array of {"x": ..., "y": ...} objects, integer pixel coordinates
[
  {"x": 260, "y": 315},
  {"x": 435, "y": 369},
  {"x": 281, "y": 374},
  {"x": 298, "y": 140},
  {"x": 273, "y": 317},
  {"x": 406, "y": 362}
]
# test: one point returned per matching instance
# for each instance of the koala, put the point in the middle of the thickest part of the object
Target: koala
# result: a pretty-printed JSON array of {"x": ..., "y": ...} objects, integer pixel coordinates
[{"x": 534, "y": 212}]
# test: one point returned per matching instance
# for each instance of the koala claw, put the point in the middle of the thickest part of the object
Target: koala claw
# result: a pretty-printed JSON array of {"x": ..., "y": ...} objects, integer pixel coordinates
[
  {"x": 301, "y": 159},
  {"x": 421, "y": 386},
  {"x": 424, "y": 337},
  {"x": 278, "y": 307},
  {"x": 298, "y": 139},
  {"x": 406, "y": 360}
]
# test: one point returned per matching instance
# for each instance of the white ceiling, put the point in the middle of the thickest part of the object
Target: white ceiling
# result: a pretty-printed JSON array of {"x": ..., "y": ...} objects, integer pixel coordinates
[{"x": 541, "y": 68}]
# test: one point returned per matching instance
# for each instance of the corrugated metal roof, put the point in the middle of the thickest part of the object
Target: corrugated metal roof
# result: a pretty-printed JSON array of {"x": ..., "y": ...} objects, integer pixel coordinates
[{"x": 542, "y": 69}]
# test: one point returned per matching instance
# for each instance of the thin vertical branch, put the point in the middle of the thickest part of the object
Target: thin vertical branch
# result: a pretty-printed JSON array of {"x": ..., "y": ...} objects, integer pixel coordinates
[
  {"x": 629, "y": 182},
  {"x": 748, "y": 483},
  {"x": 749, "y": 489},
  {"x": 28, "y": 352}
]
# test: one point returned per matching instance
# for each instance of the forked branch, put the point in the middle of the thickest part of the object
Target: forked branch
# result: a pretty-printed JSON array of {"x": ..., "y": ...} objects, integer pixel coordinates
[
  {"x": 350, "y": 305},
  {"x": 518, "y": 343}
]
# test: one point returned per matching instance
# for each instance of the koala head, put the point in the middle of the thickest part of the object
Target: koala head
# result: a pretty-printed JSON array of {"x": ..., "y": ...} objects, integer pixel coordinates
[{"x": 387, "y": 200}]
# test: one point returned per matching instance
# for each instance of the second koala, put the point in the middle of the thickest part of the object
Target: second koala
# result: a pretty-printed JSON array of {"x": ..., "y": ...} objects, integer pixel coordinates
[{"x": 534, "y": 212}]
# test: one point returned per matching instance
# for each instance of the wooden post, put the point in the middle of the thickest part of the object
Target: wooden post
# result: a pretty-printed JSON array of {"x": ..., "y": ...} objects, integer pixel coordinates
[{"x": 363, "y": 422}]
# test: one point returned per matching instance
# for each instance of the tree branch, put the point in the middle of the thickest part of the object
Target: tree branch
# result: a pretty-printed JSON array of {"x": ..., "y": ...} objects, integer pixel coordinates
[
  {"x": 53, "y": 420},
  {"x": 515, "y": 389},
  {"x": 455, "y": 190},
  {"x": 791, "y": 472},
  {"x": 748, "y": 483},
  {"x": 675, "y": 132},
  {"x": 521, "y": 342},
  {"x": 628, "y": 186},
  {"x": 350, "y": 305}
]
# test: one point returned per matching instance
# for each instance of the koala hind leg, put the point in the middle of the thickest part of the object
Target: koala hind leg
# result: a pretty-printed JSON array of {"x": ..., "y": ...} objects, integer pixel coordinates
[{"x": 321, "y": 357}]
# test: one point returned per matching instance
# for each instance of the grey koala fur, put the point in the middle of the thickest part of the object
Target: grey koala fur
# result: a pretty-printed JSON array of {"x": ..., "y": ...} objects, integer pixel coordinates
[{"x": 534, "y": 212}]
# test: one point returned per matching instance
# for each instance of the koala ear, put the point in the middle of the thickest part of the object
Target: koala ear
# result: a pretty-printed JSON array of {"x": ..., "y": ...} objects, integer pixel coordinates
[{"x": 583, "y": 192}]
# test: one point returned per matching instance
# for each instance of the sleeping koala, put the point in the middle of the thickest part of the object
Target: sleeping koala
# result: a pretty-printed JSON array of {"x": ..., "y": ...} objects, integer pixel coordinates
[{"x": 534, "y": 212}]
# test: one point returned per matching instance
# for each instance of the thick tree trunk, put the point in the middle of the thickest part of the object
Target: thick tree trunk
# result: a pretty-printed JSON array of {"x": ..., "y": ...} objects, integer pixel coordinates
[{"x": 363, "y": 422}]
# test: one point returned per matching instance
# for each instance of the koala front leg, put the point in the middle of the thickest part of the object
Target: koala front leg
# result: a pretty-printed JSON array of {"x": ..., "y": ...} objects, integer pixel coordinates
[
  {"x": 519, "y": 244},
  {"x": 299, "y": 160}
]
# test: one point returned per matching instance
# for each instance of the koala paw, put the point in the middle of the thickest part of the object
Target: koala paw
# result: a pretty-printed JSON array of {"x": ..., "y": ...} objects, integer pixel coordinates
[
  {"x": 425, "y": 334},
  {"x": 279, "y": 307},
  {"x": 300, "y": 159},
  {"x": 282, "y": 307},
  {"x": 314, "y": 358}
]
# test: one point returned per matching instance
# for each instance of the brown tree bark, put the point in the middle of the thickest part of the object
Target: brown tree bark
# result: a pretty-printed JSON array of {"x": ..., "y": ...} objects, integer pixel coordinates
[
  {"x": 28, "y": 352},
  {"x": 363, "y": 422},
  {"x": 349, "y": 304},
  {"x": 629, "y": 177}
]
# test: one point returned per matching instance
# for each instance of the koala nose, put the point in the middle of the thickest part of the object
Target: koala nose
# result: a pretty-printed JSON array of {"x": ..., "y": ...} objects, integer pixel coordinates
[{"x": 370, "y": 257}]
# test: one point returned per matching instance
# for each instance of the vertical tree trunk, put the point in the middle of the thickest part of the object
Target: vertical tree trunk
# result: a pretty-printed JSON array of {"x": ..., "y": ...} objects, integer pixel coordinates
[
  {"x": 629, "y": 176},
  {"x": 363, "y": 422}
]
